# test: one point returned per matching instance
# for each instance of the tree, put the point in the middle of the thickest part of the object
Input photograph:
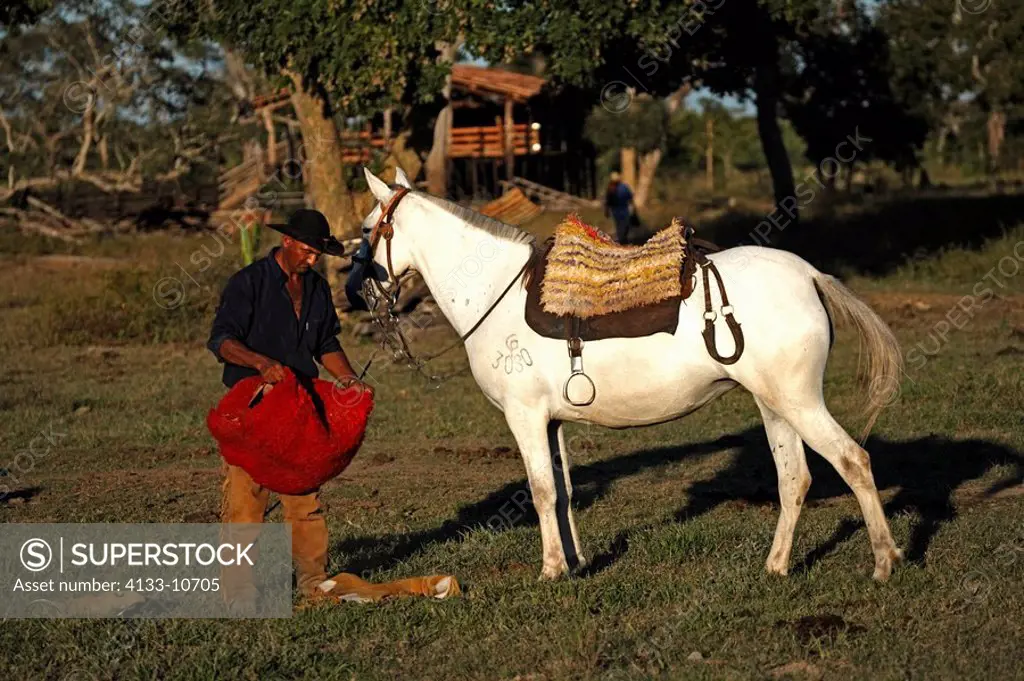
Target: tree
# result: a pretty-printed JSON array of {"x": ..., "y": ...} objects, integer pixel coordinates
[
  {"x": 342, "y": 60},
  {"x": 732, "y": 47},
  {"x": 14, "y": 13},
  {"x": 841, "y": 99},
  {"x": 954, "y": 67},
  {"x": 94, "y": 96},
  {"x": 639, "y": 130}
]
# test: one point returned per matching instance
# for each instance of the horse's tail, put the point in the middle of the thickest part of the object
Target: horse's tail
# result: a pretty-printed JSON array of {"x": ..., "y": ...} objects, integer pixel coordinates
[{"x": 881, "y": 361}]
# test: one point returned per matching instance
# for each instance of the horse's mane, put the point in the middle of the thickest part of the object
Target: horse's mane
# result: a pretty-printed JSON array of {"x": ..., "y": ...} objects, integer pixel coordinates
[{"x": 490, "y": 225}]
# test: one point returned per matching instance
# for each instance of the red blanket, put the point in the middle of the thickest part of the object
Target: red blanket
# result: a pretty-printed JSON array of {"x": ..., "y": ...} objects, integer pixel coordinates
[{"x": 292, "y": 440}]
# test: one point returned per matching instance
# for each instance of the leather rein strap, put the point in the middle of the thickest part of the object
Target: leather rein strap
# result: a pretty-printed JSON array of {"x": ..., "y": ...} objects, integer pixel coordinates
[
  {"x": 385, "y": 228},
  {"x": 710, "y": 315}
]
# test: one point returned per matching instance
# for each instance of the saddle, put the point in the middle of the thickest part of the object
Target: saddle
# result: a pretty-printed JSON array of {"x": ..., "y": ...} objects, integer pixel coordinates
[{"x": 581, "y": 286}]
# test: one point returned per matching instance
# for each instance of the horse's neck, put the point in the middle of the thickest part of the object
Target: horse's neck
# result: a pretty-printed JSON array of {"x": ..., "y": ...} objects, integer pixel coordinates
[{"x": 465, "y": 268}]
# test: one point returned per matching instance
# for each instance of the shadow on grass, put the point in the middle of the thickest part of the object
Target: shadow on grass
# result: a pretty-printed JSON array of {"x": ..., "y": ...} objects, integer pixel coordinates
[{"x": 924, "y": 472}]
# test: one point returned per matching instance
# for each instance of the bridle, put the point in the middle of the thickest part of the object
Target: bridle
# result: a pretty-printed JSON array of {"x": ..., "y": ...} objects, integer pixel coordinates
[
  {"x": 375, "y": 295},
  {"x": 385, "y": 228}
]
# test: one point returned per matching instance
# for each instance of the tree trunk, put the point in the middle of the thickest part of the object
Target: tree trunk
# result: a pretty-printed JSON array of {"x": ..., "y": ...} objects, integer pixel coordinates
[
  {"x": 323, "y": 166},
  {"x": 508, "y": 141},
  {"x": 627, "y": 159},
  {"x": 104, "y": 152},
  {"x": 437, "y": 160},
  {"x": 645, "y": 180},
  {"x": 995, "y": 129},
  {"x": 709, "y": 153},
  {"x": 403, "y": 156},
  {"x": 766, "y": 90},
  {"x": 268, "y": 123}
]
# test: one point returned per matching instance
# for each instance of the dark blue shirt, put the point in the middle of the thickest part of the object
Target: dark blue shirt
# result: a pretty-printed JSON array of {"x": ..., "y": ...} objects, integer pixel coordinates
[
  {"x": 256, "y": 310},
  {"x": 617, "y": 200}
]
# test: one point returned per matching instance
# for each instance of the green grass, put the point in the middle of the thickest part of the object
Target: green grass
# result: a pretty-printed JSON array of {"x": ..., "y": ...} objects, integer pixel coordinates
[{"x": 677, "y": 518}]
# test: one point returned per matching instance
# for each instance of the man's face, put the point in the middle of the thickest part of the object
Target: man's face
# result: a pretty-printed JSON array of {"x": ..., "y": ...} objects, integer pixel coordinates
[{"x": 298, "y": 256}]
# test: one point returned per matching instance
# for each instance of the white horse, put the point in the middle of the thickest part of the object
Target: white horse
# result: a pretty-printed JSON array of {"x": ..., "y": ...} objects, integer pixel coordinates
[{"x": 785, "y": 307}]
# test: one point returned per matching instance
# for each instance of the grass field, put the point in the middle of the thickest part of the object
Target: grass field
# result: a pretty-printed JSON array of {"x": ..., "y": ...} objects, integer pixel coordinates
[{"x": 677, "y": 519}]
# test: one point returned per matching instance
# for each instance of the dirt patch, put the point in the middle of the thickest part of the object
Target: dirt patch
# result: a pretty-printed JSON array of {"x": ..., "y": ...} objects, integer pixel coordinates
[
  {"x": 380, "y": 459},
  {"x": 797, "y": 670},
  {"x": 904, "y": 307},
  {"x": 209, "y": 516},
  {"x": 63, "y": 262},
  {"x": 470, "y": 454}
]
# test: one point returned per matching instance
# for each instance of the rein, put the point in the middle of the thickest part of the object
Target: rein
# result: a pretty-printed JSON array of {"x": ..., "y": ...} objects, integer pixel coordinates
[{"x": 388, "y": 322}]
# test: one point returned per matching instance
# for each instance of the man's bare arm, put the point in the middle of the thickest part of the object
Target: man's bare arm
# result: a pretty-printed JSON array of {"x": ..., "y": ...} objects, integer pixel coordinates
[{"x": 236, "y": 352}]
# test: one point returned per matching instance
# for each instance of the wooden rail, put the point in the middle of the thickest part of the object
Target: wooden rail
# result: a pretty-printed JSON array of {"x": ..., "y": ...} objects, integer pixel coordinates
[
  {"x": 489, "y": 141},
  {"x": 550, "y": 198}
]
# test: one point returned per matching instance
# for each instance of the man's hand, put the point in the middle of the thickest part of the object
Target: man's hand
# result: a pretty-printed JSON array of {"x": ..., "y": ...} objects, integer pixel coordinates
[
  {"x": 271, "y": 371},
  {"x": 236, "y": 352},
  {"x": 346, "y": 382}
]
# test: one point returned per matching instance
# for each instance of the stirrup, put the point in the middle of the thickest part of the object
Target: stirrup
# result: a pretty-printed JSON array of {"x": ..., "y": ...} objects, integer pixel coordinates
[{"x": 576, "y": 371}]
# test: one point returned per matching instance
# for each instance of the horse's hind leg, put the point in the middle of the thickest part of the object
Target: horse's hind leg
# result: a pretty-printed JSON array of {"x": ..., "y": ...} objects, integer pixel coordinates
[
  {"x": 794, "y": 481},
  {"x": 825, "y": 436}
]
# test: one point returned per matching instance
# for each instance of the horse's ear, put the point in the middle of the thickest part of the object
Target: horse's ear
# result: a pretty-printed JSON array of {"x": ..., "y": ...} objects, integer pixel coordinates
[
  {"x": 401, "y": 179},
  {"x": 380, "y": 190}
]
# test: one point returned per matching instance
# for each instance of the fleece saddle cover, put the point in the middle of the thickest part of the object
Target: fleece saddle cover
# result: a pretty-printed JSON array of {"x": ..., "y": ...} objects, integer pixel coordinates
[
  {"x": 297, "y": 436},
  {"x": 581, "y": 283}
]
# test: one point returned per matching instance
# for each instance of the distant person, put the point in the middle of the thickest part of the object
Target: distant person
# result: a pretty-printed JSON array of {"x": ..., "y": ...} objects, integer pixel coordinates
[{"x": 618, "y": 204}]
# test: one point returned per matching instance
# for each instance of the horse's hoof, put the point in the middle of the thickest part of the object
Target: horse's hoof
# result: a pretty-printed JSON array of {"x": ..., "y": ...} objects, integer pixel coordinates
[
  {"x": 552, "y": 573},
  {"x": 884, "y": 564}
]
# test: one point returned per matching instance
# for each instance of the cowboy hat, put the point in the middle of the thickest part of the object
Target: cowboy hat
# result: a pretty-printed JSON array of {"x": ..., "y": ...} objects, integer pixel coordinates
[{"x": 311, "y": 228}]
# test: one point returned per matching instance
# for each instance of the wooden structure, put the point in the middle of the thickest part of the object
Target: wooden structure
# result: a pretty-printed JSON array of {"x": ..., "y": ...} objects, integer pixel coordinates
[
  {"x": 547, "y": 197},
  {"x": 513, "y": 207},
  {"x": 493, "y": 141},
  {"x": 494, "y": 136}
]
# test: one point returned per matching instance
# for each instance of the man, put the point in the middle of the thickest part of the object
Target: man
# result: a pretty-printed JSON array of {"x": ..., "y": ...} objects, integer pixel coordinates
[
  {"x": 277, "y": 313},
  {"x": 618, "y": 203}
]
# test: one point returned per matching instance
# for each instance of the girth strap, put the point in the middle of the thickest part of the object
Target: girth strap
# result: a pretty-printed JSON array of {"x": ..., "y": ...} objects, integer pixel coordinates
[{"x": 710, "y": 315}]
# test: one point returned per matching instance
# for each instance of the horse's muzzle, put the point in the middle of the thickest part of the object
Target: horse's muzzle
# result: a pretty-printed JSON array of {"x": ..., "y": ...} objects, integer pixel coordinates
[{"x": 363, "y": 268}]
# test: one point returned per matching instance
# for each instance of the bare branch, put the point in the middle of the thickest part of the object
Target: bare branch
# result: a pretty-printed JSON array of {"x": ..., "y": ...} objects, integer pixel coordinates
[
  {"x": 7, "y": 130},
  {"x": 29, "y": 222}
]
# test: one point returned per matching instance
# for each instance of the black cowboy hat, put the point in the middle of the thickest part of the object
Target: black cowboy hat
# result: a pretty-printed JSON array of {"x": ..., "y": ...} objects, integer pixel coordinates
[{"x": 311, "y": 228}]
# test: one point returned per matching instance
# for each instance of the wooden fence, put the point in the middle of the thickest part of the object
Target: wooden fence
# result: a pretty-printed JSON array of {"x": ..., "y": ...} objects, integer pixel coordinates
[{"x": 489, "y": 141}]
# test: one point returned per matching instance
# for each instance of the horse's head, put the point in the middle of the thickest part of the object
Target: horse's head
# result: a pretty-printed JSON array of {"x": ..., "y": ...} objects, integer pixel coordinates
[{"x": 381, "y": 256}]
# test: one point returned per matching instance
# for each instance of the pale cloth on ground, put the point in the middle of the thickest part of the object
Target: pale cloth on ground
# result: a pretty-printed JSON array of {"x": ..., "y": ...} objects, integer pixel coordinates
[{"x": 348, "y": 587}]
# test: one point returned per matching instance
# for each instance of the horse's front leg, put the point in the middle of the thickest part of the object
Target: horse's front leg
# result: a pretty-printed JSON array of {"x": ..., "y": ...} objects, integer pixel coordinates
[{"x": 547, "y": 468}]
